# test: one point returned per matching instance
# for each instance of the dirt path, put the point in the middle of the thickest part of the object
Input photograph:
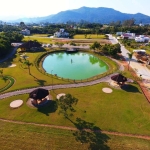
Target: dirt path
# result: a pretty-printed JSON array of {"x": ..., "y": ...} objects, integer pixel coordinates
[{"x": 75, "y": 129}]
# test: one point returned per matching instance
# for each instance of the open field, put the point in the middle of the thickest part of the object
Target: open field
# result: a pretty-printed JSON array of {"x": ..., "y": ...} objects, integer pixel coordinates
[
  {"x": 89, "y": 36},
  {"x": 125, "y": 111},
  {"x": 40, "y": 39},
  {"x": 16, "y": 136},
  {"x": 40, "y": 35}
]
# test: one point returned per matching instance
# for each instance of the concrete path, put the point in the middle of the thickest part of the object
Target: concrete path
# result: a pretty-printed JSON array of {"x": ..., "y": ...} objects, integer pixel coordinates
[
  {"x": 140, "y": 69},
  {"x": 75, "y": 85},
  {"x": 10, "y": 55}
]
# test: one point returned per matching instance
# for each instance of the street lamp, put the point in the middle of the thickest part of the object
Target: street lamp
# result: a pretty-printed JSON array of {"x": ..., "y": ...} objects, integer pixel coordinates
[{"x": 52, "y": 78}]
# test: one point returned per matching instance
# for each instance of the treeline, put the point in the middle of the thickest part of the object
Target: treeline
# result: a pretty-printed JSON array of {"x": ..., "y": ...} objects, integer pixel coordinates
[
  {"x": 6, "y": 38},
  {"x": 107, "y": 49},
  {"x": 82, "y": 27}
]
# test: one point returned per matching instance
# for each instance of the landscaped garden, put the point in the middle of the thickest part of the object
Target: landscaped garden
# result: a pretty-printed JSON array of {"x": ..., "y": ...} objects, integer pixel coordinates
[{"x": 124, "y": 111}]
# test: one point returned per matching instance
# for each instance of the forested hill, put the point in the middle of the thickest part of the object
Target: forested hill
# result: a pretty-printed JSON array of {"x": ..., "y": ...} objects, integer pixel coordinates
[{"x": 99, "y": 15}]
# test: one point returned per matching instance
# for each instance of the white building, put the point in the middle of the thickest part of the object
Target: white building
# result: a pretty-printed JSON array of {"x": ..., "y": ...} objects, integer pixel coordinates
[
  {"x": 142, "y": 38},
  {"x": 25, "y": 32},
  {"x": 61, "y": 33},
  {"x": 119, "y": 33},
  {"x": 129, "y": 36}
]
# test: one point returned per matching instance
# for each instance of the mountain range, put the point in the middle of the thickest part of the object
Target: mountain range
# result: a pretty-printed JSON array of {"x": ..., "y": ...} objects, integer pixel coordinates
[{"x": 94, "y": 15}]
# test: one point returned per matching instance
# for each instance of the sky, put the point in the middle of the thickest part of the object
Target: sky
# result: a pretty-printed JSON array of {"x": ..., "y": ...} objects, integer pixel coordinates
[{"x": 14, "y": 9}]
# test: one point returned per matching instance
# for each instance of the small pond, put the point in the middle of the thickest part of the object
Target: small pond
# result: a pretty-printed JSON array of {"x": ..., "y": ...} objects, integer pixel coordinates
[{"x": 76, "y": 66}]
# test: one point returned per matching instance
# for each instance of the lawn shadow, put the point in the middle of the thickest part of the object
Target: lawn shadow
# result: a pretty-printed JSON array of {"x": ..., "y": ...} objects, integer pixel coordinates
[
  {"x": 130, "y": 88},
  {"x": 4, "y": 78},
  {"x": 89, "y": 133},
  {"x": 50, "y": 107},
  {"x": 5, "y": 64},
  {"x": 40, "y": 82}
]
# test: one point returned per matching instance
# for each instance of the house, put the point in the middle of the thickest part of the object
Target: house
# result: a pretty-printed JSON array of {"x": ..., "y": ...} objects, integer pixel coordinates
[
  {"x": 119, "y": 33},
  {"x": 25, "y": 32},
  {"x": 30, "y": 45},
  {"x": 61, "y": 33},
  {"x": 128, "y": 36},
  {"x": 142, "y": 38},
  {"x": 15, "y": 44}
]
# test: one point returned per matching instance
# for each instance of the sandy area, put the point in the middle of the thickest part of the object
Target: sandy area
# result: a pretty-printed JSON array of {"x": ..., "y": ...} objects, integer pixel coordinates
[{"x": 12, "y": 65}]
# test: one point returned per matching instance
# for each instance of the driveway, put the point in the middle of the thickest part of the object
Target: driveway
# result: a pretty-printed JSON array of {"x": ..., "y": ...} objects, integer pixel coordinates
[{"x": 140, "y": 69}]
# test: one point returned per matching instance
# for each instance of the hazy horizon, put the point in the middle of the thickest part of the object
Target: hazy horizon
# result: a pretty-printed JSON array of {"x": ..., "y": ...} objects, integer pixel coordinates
[{"x": 25, "y": 8}]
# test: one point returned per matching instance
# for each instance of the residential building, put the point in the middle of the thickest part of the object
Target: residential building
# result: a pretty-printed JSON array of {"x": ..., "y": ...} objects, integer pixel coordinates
[
  {"x": 128, "y": 36},
  {"x": 61, "y": 33},
  {"x": 25, "y": 32},
  {"x": 142, "y": 38}
]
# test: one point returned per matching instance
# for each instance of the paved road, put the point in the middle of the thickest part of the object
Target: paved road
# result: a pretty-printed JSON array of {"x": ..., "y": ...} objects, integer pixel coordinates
[{"x": 139, "y": 68}]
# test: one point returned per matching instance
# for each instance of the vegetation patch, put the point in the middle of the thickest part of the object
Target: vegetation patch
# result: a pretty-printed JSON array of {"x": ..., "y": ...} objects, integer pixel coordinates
[{"x": 10, "y": 82}]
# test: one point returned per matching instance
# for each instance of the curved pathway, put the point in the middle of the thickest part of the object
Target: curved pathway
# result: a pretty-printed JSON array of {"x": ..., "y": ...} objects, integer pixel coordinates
[
  {"x": 61, "y": 86},
  {"x": 9, "y": 55},
  {"x": 75, "y": 129}
]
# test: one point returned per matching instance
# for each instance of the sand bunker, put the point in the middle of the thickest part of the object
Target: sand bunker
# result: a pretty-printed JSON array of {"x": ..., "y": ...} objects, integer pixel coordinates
[{"x": 12, "y": 65}]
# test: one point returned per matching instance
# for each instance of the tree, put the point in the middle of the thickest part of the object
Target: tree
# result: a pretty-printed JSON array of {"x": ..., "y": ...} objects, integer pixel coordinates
[
  {"x": 28, "y": 64},
  {"x": 66, "y": 105},
  {"x": 1, "y": 72},
  {"x": 22, "y": 24},
  {"x": 130, "y": 57},
  {"x": 95, "y": 46}
]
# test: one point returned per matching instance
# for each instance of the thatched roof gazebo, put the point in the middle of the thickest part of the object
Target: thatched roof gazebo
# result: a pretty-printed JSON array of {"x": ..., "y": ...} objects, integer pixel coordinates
[
  {"x": 119, "y": 78},
  {"x": 38, "y": 95},
  {"x": 30, "y": 44}
]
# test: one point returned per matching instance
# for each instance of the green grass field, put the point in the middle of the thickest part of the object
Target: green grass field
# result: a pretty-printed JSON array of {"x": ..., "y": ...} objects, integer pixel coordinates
[
  {"x": 3, "y": 82},
  {"x": 111, "y": 112},
  {"x": 15, "y": 136},
  {"x": 89, "y": 36},
  {"x": 41, "y": 39},
  {"x": 124, "y": 111},
  {"x": 40, "y": 35}
]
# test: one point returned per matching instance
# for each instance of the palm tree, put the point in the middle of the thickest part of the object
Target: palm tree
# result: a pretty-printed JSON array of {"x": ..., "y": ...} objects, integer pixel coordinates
[
  {"x": 27, "y": 63},
  {"x": 130, "y": 57},
  {"x": 1, "y": 72}
]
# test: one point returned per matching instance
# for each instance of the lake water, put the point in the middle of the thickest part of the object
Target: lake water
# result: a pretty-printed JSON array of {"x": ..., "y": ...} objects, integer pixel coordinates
[{"x": 74, "y": 65}]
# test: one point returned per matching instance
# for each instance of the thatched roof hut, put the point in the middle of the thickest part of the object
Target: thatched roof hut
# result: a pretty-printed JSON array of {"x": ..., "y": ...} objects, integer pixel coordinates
[
  {"x": 119, "y": 78},
  {"x": 39, "y": 93},
  {"x": 29, "y": 45}
]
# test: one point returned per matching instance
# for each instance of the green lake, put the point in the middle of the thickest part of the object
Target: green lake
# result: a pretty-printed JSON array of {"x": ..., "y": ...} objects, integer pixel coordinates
[{"x": 74, "y": 65}]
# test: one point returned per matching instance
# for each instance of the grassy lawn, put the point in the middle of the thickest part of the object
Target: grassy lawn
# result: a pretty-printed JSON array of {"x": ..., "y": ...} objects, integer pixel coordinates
[
  {"x": 40, "y": 39},
  {"x": 3, "y": 82},
  {"x": 79, "y": 39},
  {"x": 89, "y": 36},
  {"x": 14, "y": 136},
  {"x": 40, "y": 35},
  {"x": 124, "y": 111}
]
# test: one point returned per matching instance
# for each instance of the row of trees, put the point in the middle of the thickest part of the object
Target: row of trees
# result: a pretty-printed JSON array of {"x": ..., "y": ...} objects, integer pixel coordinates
[
  {"x": 79, "y": 28},
  {"x": 107, "y": 49}
]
